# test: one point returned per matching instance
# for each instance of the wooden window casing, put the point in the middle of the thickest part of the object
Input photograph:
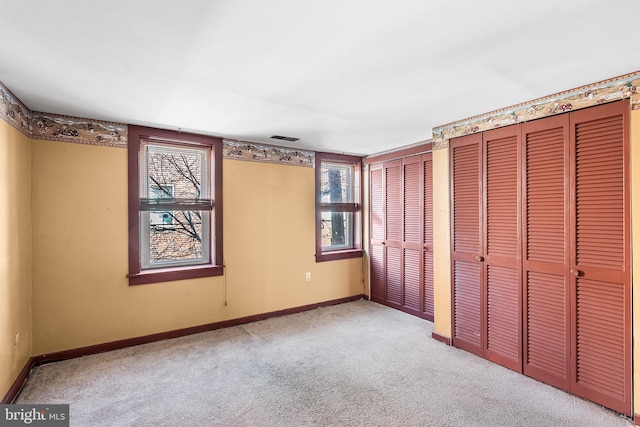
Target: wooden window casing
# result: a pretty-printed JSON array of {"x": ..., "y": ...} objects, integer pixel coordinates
[
  {"x": 211, "y": 267},
  {"x": 353, "y": 208}
]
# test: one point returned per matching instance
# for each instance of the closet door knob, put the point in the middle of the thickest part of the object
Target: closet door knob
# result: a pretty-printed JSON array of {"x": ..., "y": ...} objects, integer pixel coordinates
[
  {"x": 574, "y": 272},
  {"x": 478, "y": 258}
]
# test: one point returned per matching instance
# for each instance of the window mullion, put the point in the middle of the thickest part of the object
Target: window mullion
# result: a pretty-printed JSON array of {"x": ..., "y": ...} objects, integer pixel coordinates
[
  {"x": 147, "y": 204},
  {"x": 339, "y": 207}
]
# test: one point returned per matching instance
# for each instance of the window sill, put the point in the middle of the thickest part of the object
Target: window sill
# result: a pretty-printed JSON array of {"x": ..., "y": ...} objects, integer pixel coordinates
[
  {"x": 171, "y": 274},
  {"x": 336, "y": 255}
]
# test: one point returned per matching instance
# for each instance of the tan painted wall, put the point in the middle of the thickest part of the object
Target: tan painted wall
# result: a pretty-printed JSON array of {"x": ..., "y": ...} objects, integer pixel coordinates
[
  {"x": 15, "y": 253},
  {"x": 635, "y": 249},
  {"x": 441, "y": 244},
  {"x": 270, "y": 241},
  {"x": 80, "y": 293}
]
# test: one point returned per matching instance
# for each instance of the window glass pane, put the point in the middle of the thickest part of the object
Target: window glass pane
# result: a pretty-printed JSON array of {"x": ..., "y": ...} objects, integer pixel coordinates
[
  {"x": 175, "y": 238},
  {"x": 173, "y": 172},
  {"x": 336, "y": 230},
  {"x": 337, "y": 183},
  {"x": 161, "y": 192}
]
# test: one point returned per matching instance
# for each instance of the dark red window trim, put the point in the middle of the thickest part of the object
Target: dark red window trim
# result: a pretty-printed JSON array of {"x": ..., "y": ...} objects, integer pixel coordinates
[
  {"x": 136, "y": 275},
  {"x": 356, "y": 251}
]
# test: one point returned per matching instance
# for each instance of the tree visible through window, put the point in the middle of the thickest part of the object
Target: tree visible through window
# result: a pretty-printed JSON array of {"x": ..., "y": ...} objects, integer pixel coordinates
[
  {"x": 162, "y": 218},
  {"x": 175, "y": 177},
  {"x": 337, "y": 187},
  {"x": 337, "y": 206},
  {"x": 177, "y": 205}
]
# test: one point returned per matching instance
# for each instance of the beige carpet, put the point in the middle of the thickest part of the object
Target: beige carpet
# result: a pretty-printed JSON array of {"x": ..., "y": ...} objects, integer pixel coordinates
[{"x": 355, "y": 364}]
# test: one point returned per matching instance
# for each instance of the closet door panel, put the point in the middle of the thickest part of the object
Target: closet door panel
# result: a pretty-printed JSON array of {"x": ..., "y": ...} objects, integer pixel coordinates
[
  {"x": 411, "y": 279},
  {"x": 502, "y": 301},
  {"x": 377, "y": 233},
  {"x": 427, "y": 236},
  {"x": 601, "y": 371},
  {"x": 393, "y": 269},
  {"x": 393, "y": 231},
  {"x": 546, "y": 348},
  {"x": 412, "y": 233},
  {"x": 466, "y": 176},
  {"x": 376, "y": 185},
  {"x": 377, "y": 273},
  {"x": 467, "y": 295},
  {"x": 599, "y": 261},
  {"x": 428, "y": 297},
  {"x": 412, "y": 209},
  {"x": 545, "y": 221}
]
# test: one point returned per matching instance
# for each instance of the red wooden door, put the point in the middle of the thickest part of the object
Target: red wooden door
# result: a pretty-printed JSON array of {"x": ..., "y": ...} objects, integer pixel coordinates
[
  {"x": 393, "y": 232},
  {"x": 566, "y": 297},
  {"x": 427, "y": 236},
  {"x": 599, "y": 259},
  {"x": 467, "y": 243},
  {"x": 412, "y": 234},
  {"x": 376, "y": 232},
  {"x": 401, "y": 237},
  {"x": 545, "y": 279},
  {"x": 501, "y": 302}
]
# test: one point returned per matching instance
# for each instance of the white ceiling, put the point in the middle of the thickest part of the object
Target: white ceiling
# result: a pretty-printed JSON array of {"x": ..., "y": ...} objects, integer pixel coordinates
[{"x": 353, "y": 76}]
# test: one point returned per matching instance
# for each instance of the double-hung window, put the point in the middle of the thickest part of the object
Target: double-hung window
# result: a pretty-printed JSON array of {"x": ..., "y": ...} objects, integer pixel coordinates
[
  {"x": 338, "y": 207},
  {"x": 175, "y": 205}
]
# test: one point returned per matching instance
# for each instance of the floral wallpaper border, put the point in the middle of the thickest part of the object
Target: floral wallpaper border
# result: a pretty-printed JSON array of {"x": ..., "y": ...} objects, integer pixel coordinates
[
  {"x": 13, "y": 111},
  {"x": 56, "y": 127},
  {"x": 264, "y": 153},
  {"x": 626, "y": 86}
]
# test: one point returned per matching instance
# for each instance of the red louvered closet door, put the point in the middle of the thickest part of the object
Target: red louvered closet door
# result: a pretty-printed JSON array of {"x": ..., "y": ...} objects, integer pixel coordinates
[
  {"x": 467, "y": 243},
  {"x": 545, "y": 277},
  {"x": 376, "y": 231},
  {"x": 544, "y": 285},
  {"x": 401, "y": 236},
  {"x": 599, "y": 261},
  {"x": 412, "y": 235},
  {"x": 501, "y": 302},
  {"x": 393, "y": 232},
  {"x": 427, "y": 237},
  {"x": 487, "y": 304}
]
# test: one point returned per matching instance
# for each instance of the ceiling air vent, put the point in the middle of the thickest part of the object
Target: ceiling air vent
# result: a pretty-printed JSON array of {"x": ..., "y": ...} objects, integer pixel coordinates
[{"x": 285, "y": 138}]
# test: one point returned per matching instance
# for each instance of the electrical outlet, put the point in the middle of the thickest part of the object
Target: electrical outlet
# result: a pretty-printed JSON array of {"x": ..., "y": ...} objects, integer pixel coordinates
[{"x": 307, "y": 277}]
